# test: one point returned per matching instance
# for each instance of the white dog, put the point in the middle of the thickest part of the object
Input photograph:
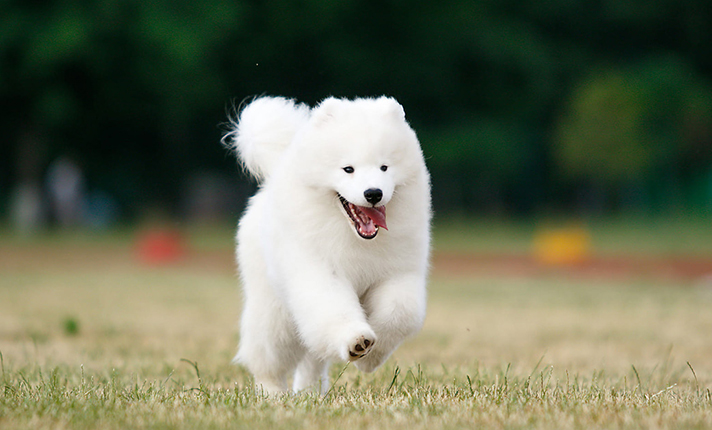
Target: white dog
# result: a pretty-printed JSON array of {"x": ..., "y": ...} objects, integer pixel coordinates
[{"x": 321, "y": 281}]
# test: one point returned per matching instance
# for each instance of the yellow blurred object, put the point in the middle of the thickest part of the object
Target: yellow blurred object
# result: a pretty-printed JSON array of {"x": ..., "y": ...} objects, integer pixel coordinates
[{"x": 562, "y": 246}]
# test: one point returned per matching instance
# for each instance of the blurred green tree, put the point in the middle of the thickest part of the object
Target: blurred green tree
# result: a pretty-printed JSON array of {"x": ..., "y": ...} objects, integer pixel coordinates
[
  {"x": 134, "y": 89},
  {"x": 478, "y": 160},
  {"x": 117, "y": 84},
  {"x": 631, "y": 125}
]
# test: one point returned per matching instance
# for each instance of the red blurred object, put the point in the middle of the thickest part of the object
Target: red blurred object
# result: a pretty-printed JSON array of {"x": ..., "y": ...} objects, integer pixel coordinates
[{"x": 156, "y": 247}]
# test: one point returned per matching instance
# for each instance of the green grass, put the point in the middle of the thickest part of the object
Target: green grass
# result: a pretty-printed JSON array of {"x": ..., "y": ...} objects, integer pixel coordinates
[
  {"x": 412, "y": 399},
  {"x": 625, "y": 235},
  {"x": 92, "y": 339}
]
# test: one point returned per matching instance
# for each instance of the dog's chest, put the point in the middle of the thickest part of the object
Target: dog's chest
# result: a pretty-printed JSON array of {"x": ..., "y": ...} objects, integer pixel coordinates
[{"x": 362, "y": 268}]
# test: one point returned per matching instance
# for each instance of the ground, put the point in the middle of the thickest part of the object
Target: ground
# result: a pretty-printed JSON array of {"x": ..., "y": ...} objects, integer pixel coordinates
[
  {"x": 619, "y": 267},
  {"x": 94, "y": 336}
]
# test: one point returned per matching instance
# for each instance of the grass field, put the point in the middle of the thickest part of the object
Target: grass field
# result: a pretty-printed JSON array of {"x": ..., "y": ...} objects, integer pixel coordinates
[{"x": 92, "y": 338}]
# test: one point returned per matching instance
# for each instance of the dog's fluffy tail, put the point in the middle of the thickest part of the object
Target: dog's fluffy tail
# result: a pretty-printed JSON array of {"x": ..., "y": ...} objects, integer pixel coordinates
[{"x": 263, "y": 130}]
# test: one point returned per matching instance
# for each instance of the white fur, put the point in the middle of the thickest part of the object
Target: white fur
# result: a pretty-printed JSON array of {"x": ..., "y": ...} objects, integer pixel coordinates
[
  {"x": 261, "y": 138},
  {"x": 314, "y": 289}
]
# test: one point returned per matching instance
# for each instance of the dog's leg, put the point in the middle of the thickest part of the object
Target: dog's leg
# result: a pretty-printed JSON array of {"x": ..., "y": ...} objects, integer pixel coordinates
[
  {"x": 269, "y": 345},
  {"x": 328, "y": 314},
  {"x": 396, "y": 310},
  {"x": 312, "y": 374}
]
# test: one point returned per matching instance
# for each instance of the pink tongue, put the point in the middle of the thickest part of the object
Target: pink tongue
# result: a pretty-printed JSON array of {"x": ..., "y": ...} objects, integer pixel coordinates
[{"x": 378, "y": 215}]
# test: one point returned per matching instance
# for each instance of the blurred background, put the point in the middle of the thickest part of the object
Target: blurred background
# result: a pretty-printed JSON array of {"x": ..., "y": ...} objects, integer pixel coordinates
[
  {"x": 112, "y": 109},
  {"x": 569, "y": 144}
]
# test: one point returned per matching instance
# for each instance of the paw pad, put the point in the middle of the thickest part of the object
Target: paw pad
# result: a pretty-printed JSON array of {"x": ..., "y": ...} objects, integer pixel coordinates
[{"x": 360, "y": 348}]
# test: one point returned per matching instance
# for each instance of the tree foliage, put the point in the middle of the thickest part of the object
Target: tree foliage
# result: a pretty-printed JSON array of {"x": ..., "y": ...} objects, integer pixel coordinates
[
  {"x": 623, "y": 125},
  {"x": 503, "y": 92}
]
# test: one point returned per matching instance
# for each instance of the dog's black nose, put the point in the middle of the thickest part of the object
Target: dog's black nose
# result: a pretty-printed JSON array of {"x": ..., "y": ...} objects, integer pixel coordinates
[{"x": 373, "y": 195}]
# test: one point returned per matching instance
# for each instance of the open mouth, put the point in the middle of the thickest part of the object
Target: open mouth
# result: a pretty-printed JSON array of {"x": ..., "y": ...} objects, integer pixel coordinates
[{"x": 366, "y": 220}]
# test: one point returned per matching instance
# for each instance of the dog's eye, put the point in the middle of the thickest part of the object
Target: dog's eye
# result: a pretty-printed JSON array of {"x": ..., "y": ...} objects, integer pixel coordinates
[
  {"x": 384, "y": 168},
  {"x": 348, "y": 169}
]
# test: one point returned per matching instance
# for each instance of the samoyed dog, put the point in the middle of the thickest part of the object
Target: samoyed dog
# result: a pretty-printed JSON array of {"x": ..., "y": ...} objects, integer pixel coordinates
[{"x": 333, "y": 249}]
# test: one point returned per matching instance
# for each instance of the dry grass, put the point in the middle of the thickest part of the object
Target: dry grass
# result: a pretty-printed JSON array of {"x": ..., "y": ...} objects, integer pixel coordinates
[{"x": 90, "y": 338}]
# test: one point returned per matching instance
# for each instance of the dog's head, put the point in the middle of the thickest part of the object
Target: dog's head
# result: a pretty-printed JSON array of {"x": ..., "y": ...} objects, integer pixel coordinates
[
  {"x": 364, "y": 190},
  {"x": 362, "y": 151}
]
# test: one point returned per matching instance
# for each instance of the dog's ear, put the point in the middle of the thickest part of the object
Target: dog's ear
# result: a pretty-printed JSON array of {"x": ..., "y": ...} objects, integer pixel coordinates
[
  {"x": 391, "y": 108},
  {"x": 325, "y": 110}
]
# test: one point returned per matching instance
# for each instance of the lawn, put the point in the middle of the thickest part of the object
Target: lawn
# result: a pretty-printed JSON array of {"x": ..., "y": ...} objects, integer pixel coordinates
[{"x": 91, "y": 337}]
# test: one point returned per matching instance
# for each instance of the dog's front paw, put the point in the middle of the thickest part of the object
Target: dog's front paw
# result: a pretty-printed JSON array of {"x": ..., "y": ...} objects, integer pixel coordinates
[
  {"x": 361, "y": 347},
  {"x": 357, "y": 342}
]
